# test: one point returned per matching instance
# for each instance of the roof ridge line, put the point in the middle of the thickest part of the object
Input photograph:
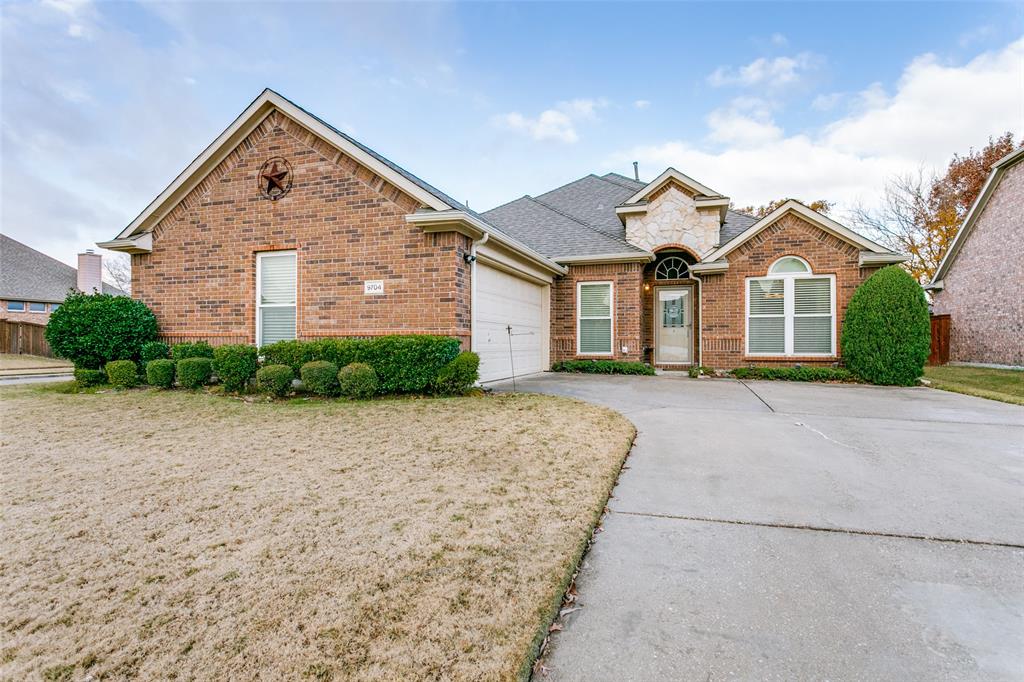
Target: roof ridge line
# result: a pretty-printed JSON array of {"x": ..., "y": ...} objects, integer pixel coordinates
[
  {"x": 577, "y": 220},
  {"x": 620, "y": 184}
]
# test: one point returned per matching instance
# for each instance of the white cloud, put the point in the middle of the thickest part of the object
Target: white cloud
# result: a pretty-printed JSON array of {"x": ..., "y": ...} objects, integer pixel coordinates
[
  {"x": 936, "y": 110},
  {"x": 779, "y": 40},
  {"x": 557, "y": 124},
  {"x": 772, "y": 73},
  {"x": 642, "y": 103},
  {"x": 827, "y": 102}
]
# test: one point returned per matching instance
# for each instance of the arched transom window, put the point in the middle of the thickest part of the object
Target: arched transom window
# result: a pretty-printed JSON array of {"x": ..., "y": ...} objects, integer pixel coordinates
[
  {"x": 672, "y": 267},
  {"x": 791, "y": 312}
]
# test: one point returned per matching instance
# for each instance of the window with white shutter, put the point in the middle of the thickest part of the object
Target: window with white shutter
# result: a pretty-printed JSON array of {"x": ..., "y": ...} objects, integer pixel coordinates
[
  {"x": 594, "y": 318},
  {"x": 791, "y": 312},
  {"x": 275, "y": 296}
]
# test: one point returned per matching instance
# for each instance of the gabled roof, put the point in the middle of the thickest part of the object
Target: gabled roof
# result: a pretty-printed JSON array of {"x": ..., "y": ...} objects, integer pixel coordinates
[
  {"x": 669, "y": 175},
  {"x": 808, "y": 214},
  {"x": 591, "y": 200},
  {"x": 999, "y": 169},
  {"x": 30, "y": 275}
]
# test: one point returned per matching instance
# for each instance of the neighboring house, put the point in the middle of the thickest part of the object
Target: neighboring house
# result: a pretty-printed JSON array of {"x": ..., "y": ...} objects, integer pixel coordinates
[
  {"x": 980, "y": 281},
  {"x": 285, "y": 227},
  {"x": 33, "y": 285}
]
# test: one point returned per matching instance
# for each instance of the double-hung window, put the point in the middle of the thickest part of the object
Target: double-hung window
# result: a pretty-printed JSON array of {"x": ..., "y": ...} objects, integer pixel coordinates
[
  {"x": 275, "y": 296},
  {"x": 791, "y": 311},
  {"x": 594, "y": 318}
]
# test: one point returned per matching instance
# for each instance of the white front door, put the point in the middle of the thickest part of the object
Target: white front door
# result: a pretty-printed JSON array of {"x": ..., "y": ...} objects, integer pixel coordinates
[{"x": 673, "y": 325}]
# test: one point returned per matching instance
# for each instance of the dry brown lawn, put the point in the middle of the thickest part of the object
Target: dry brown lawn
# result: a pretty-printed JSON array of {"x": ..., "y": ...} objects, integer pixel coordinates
[
  {"x": 164, "y": 535},
  {"x": 11, "y": 363}
]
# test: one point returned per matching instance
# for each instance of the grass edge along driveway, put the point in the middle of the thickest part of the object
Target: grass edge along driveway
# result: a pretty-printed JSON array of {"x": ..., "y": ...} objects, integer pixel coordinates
[
  {"x": 1006, "y": 385},
  {"x": 149, "y": 531}
]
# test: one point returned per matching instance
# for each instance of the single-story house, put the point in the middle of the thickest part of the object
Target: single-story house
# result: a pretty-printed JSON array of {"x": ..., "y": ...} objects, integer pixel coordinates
[
  {"x": 285, "y": 227},
  {"x": 33, "y": 285},
  {"x": 980, "y": 281}
]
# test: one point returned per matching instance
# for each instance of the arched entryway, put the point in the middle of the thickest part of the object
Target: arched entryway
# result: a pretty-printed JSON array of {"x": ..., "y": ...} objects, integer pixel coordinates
[{"x": 670, "y": 310}]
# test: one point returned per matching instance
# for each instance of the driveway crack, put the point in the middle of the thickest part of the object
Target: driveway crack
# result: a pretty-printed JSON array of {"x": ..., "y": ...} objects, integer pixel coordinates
[{"x": 824, "y": 529}]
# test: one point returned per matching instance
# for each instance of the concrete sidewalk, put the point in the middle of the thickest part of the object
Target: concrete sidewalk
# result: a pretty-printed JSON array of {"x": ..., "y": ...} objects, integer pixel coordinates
[{"x": 769, "y": 530}]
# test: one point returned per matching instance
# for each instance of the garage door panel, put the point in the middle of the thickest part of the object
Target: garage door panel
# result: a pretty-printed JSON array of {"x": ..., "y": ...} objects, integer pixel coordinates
[{"x": 504, "y": 300}]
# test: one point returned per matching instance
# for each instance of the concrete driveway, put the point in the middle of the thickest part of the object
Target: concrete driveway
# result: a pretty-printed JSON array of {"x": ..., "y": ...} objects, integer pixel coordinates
[{"x": 769, "y": 530}]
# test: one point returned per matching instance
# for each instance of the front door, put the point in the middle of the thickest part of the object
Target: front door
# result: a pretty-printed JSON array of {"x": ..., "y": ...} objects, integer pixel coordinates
[{"x": 673, "y": 325}]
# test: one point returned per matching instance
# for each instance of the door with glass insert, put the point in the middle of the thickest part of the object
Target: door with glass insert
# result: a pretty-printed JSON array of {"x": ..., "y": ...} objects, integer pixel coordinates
[{"x": 673, "y": 325}]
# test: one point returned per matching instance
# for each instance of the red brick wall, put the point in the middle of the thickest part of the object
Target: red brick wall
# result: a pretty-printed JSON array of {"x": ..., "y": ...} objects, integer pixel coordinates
[
  {"x": 724, "y": 297},
  {"x": 347, "y": 225},
  {"x": 628, "y": 281},
  {"x": 984, "y": 287}
]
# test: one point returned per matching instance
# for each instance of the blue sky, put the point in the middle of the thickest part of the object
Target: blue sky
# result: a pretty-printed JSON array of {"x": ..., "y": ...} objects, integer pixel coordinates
[{"x": 104, "y": 103}]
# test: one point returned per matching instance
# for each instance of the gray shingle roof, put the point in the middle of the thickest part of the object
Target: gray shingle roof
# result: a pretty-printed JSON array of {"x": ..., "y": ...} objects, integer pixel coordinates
[
  {"x": 29, "y": 275},
  {"x": 579, "y": 219}
]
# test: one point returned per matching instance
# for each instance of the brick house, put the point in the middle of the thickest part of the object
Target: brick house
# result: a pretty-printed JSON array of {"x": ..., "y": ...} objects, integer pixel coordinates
[
  {"x": 285, "y": 227},
  {"x": 33, "y": 285},
  {"x": 980, "y": 281}
]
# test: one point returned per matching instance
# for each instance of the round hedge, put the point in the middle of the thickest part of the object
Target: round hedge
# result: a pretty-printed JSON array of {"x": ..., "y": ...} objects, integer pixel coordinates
[
  {"x": 358, "y": 381},
  {"x": 122, "y": 373},
  {"x": 459, "y": 375},
  {"x": 887, "y": 331},
  {"x": 276, "y": 379},
  {"x": 90, "y": 330},
  {"x": 194, "y": 372},
  {"x": 160, "y": 373},
  {"x": 320, "y": 377},
  {"x": 234, "y": 365}
]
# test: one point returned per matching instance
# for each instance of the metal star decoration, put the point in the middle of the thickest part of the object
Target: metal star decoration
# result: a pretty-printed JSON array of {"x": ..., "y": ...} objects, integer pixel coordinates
[{"x": 275, "y": 178}]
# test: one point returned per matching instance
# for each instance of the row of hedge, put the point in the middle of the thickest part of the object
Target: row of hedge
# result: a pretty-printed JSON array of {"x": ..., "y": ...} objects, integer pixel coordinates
[
  {"x": 602, "y": 367},
  {"x": 328, "y": 367}
]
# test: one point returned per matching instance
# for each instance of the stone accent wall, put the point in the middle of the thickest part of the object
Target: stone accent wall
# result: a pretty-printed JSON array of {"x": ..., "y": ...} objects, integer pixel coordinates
[
  {"x": 724, "y": 296},
  {"x": 984, "y": 288},
  {"x": 347, "y": 225},
  {"x": 673, "y": 218},
  {"x": 34, "y": 318},
  {"x": 627, "y": 279}
]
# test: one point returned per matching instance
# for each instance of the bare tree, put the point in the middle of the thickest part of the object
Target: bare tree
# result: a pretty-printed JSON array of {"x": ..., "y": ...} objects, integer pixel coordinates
[
  {"x": 905, "y": 224},
  {"x": 117, "y": 270}
]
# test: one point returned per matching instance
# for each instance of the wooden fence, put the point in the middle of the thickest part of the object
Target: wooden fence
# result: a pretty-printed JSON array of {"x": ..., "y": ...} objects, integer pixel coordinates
[
  {"x": 940, "y": 340},
  {"x": 24, "y": 338}
]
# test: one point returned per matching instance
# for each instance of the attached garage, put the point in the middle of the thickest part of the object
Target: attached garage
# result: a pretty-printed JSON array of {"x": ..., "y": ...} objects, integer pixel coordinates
[{"x": 510, "y": 323}]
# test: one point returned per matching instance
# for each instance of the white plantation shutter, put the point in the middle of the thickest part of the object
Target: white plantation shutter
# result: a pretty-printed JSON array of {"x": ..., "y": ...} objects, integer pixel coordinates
[
  {"x": 812, "y": 310},
  {"x": 275, "y": 297},
  {"x": 792, "y": 314},
  {"x": 767, "y": 322},
  {"x": 595, "y": 318}
]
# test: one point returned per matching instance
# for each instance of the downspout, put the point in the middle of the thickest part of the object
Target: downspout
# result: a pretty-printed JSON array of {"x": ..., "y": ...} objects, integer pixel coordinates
[
  {"x": 700, "y": 318},
  {"x": 472, "y": 288}
]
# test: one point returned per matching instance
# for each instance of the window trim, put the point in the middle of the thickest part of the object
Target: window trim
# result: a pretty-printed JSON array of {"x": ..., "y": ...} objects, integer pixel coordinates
[
  {"x": 611, "y": 317},
  {"x": 789, "y": 312},
  {"x": 259, "y": 281},
  {"x": 37, "y": 312},
  {"x": 9, "y": 309}
]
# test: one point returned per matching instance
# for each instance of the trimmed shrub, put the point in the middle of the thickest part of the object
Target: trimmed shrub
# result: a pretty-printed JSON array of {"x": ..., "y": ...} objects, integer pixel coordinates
[
  {"x": 294, "y": 354},
  {"x": 357, "y": 381},
  {"x": 90, "y": 330},
  {"x": 404, "y": 364},
  {"x": 795, "y": 373},
  {"x": 459, "y": 375},
  {"x": 198, "y": 349},
  {"x": 887, "y": 331},
  {"x": 122, "y": 373},
  {"x": 90, "y": 377},
  {"x": 160, "y": 373},
  {"x": 154, "y": 350},
  {"x": 320, "y": 377},
  {"x": 603, "y": 367},
  {"x": 276, "y": 379},
  {"x": 234, "y": 365},
  {"x": 194, "y": 372}
]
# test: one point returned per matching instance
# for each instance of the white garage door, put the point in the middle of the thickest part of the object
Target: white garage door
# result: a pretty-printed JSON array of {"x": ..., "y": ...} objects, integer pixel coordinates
[{"x": 503, "y": 301}]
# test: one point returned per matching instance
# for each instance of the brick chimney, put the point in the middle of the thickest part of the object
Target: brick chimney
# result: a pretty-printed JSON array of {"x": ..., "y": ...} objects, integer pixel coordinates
[{"x": 90, "y": 272}]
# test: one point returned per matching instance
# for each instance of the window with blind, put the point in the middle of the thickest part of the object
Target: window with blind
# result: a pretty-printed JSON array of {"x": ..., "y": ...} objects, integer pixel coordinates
[
  {"x": 275, "y": 296},
  {"x": 791, "y": 312},
  {"x": 594, "y": 318}
]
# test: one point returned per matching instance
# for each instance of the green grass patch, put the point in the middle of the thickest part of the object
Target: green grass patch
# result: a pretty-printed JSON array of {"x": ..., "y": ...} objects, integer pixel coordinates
[{"x": 1006, "y": 385}]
